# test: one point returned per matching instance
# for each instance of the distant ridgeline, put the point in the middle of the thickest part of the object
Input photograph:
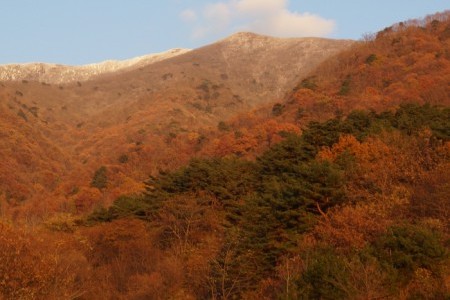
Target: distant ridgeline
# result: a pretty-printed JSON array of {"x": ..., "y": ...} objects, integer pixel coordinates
[{"x": 59, "y": 74}]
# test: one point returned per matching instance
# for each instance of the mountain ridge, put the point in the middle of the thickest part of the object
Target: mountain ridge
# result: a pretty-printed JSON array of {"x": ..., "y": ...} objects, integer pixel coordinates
[
  {"x": 170, "y": 104},
  {"x": 250, "y": 168},
  {"x": 53, "y": 73},
  {"x": 61, "y": 73}
]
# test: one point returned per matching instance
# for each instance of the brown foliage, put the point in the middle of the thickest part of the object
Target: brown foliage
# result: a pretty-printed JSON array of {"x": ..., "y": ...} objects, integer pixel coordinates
[
  {"x": 430, "y": 197},
  {"x": 354, "y": 226},
  {"x": 386, "y": 173},
  {"x": 248, "y": 140},
  {"x": 118, "y": 251},
  {"x": 408, "y": 63},
  {"x": 385, "y": 163},
  {"x": 38, "y": 267}
]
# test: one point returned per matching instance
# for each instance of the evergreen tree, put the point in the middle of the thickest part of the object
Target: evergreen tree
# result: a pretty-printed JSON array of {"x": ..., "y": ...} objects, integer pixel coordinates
[{"x": 100, "y": 179}]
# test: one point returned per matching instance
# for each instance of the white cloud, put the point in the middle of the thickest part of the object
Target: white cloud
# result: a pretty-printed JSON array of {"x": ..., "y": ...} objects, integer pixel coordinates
[
  {"x": 259, "y": 7},
  {"x": 200, "y": 32},
  {"x": 188, "y": 15},
  {"x": 219, "y": 14},
  {"x": 271, "y": 17},
  {"x": 216, "y": 18},
  {"x": 291, "y": 24}
]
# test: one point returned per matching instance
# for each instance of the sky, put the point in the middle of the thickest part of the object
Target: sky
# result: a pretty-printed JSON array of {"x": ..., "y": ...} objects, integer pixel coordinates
[{"x": 79, "y": 32}]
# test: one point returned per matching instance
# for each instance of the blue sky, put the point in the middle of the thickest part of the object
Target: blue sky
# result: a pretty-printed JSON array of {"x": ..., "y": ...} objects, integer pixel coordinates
[{"x": 86, "y": 31}]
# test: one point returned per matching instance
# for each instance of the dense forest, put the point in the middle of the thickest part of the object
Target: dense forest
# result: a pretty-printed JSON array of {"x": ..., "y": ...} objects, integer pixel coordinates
[{"x": 340, "y": 191}]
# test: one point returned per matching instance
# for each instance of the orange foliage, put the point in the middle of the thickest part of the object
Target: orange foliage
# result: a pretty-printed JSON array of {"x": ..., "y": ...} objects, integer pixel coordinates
[
  {"x": 430, "y": 197},
  {"x": 86, "y": 198},
  {"x": 38, "y": 267},
  {"x": 386, "y": 174},
  {"x": 249, "y": 141},
  {"x": 408, "y": 63},
  {"x": 353, "y": 227},
  {"x": 385, "y": 163}
]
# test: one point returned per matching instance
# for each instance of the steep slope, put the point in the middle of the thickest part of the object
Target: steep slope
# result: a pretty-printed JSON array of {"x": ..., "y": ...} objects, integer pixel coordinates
[
  {"x": 141, "y": 120},
  {"x": 32, "y": 164},
  {"x": 173, "y": 104},
  {"x": 406, "y": 63},
  {"x": 356, "y": 207},
  {"x": 210, "y": 83}
]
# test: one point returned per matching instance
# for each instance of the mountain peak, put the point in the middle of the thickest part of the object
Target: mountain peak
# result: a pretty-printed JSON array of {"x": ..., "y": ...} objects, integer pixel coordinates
[
  {"x": 245, "y": 36},
  {"x": 114, "y": 65}
]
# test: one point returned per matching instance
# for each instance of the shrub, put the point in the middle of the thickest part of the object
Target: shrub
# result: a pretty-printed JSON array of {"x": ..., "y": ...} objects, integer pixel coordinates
[
  {"x": 222, "y": 126},
  {"x": 277, "y": 109},
  {"x": 409, "y": 247},
  {"x": 345, "y": 87},
  {"x": 326, "y": 277},
  {"x": 125, "y": 206},
  {"x": 308, "y": 83},
  {"x": 123, "y": 158},
  {"x": 22, "y": 115},
  {"x": 100, "y": 179},
  {"x": 371, "y": 58}
]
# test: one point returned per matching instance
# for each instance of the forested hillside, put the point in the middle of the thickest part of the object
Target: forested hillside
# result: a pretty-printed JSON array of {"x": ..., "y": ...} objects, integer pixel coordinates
[
  {"x": 136, "y": 121},
  {"x": 406, "y": 63},
  {"x": 340, "y": 190}
]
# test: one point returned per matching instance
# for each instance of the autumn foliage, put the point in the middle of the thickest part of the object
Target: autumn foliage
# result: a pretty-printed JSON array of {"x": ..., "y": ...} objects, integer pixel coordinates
[{"x": 339, "y": 192}]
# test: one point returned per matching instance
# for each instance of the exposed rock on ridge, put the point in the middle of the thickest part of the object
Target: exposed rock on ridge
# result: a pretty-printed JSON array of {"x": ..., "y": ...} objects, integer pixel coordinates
[{"x": 56, "y": 73}]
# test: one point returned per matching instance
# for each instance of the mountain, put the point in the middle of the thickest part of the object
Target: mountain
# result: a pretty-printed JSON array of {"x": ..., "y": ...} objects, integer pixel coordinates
[
  {"x": 216, "y": 81},
  {"x": 251, "y": 168},
  {"x": 159, "y": 113},
  {"x": 58, "y": 74},
  {"x": 408, "y": 62},
  {"x": 211, "y": 83}
]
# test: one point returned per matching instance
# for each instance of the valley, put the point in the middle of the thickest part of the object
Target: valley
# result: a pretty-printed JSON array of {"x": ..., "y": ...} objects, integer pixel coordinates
[{"x": 250, "y": 168}]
